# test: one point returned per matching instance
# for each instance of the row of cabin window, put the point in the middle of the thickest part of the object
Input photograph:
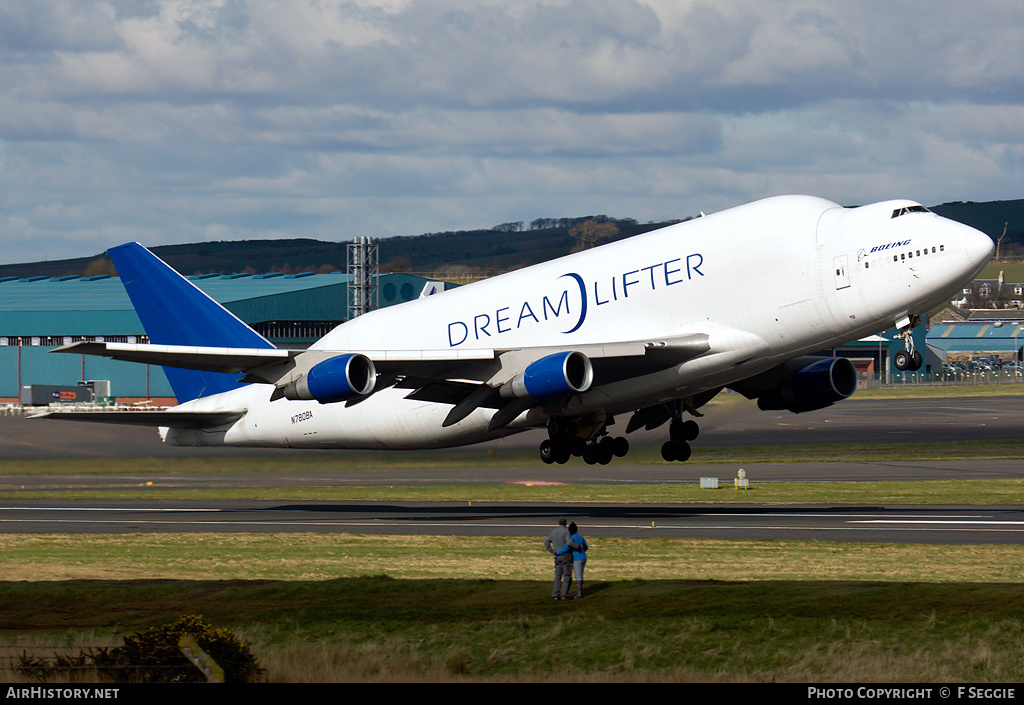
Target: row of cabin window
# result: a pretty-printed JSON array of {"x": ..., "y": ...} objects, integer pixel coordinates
[
  {"x": 942, "y": 248},
  {"x": 903, "y": 256}
]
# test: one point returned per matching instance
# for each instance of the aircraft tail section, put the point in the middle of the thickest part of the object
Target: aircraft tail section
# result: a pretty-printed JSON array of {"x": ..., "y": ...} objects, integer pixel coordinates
[{"x": 175, "y": 312}]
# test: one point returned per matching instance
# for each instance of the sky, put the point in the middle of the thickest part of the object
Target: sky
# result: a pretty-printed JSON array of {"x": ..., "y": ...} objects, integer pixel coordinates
[{"x": 172, "y": 121}]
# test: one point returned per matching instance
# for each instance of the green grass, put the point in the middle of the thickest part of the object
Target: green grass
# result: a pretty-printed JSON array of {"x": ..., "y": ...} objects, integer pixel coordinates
[
  {"x": 348, "y": 607},
  {"x": 1012, "y": 271},
  {"x": 389, "y": 608},
  {"x": 311, "y": 557},
  {"x": 377, "y": 628},
  {"x": 420, "y": 608},
  {"x": 926, "y": 391}
]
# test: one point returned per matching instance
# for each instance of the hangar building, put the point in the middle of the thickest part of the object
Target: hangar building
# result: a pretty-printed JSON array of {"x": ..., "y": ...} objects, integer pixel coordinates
[
  {"x": 38, "y": 314},
  {"x": 985, "y": 333}
]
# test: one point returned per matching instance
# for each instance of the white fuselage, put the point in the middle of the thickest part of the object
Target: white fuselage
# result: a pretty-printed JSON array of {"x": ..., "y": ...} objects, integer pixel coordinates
[{"x": 766, "y": 282}]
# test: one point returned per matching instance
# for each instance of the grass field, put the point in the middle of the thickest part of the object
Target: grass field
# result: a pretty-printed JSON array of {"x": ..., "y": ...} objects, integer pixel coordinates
[
  {"x": 319, "y": 608},
  {"x": 1012, "y": 271},
  {"x": 348, "y": 607},
  {"x": 937, "y": 391},
  {"x": 164, "y": 486}
]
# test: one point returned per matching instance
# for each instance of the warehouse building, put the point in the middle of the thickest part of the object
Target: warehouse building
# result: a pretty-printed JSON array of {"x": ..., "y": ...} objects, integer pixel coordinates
[
  {"x": 38, "y": 314},
  {"x": 995, "y": 334}
]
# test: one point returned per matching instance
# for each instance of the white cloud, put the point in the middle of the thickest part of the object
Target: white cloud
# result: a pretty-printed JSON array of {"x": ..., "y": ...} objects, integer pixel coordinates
[{"x": 177, "y": 120}]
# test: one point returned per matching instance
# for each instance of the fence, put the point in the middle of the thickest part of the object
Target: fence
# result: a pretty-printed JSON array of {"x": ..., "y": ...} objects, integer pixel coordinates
[{"x": 945, "y": 378}]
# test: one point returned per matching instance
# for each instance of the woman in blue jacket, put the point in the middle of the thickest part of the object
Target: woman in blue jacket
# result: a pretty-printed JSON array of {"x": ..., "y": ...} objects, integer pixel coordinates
[{"x": 579, "y": 556}]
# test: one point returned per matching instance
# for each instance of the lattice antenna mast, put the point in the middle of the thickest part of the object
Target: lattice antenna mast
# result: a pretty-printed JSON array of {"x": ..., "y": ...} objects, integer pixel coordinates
[{"x": 362, "y": 277}]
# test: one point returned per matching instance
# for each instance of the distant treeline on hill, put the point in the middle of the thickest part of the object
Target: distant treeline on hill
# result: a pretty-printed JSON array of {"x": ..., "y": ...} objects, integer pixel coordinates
[
  {"x": 458, "y": 253},
  {"x": 556, "y": 223},
  {"x": 487, "y": 251}
]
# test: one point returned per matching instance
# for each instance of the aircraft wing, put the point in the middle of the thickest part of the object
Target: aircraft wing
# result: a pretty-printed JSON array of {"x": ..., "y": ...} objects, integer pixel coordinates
[
  {"x": 260, "y": 363},
  {"x": 468, "y": 379},
  {"x": 140, "y": 417}
]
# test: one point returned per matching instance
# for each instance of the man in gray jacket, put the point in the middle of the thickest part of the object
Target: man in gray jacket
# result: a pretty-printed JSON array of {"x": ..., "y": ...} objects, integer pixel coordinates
[{"x": 555, "y": 541}]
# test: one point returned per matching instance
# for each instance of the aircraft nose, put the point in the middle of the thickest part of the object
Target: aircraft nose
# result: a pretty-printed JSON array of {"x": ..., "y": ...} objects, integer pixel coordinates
[{"x": 978, "y": 245}]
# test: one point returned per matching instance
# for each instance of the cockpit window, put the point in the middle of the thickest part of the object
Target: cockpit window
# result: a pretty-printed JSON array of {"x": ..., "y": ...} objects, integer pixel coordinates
[{"x": 909, "y": 209}]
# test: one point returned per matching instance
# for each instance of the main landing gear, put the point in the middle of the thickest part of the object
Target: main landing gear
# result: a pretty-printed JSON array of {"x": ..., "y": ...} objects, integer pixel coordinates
[
  {"x": 588, "y": 438},
  {"x": 680, "y": 432},
  {"x": 908, "y": 359},
  {"x": 566, "y": 438}
]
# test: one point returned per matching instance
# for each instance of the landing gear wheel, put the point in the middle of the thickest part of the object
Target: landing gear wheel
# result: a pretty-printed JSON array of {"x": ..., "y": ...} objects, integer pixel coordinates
[
  {"x": 680, "y": 433},
  {"x": 586, "y": 438},
  {"x": 683, "y": 452},
  {"x": 668, "y": 451},
  {"x": 561, "y": 451},
  {"x": 673, "y": 451},
  {"x": 620, "y": 447},
  {"x": 907, "y": 361},
  {"x": 908, "y": 358},
  {"x": 547, "y": 451},
  {"x": 578, "y": 445},
  {"x": 561, "y": 428},
  {"x": 684, "y": 430}
]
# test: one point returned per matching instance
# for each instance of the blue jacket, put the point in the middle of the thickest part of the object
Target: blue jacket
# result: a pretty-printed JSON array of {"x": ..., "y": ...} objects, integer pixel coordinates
[{"x": 580, "y": 555}]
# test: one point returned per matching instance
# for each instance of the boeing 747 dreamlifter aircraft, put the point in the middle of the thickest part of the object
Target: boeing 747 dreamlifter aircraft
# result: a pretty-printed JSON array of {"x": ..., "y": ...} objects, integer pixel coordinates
[{"x": 642, "y": 332}]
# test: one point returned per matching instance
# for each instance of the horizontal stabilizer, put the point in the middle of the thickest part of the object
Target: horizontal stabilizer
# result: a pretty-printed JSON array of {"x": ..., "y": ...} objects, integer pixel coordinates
[
  {"x": 154, "y": 418},
  {"x": 229, "y": 360}
]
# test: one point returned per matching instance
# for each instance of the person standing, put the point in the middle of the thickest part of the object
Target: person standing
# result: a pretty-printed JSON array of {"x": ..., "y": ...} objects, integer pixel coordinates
[
  {"x": 556, "y": 541},
  {"x": 577, "y": 547}
]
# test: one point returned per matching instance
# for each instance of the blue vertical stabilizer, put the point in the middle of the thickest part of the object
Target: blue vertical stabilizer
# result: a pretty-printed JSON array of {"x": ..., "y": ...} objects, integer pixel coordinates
[{"x": 174, "y": 312}]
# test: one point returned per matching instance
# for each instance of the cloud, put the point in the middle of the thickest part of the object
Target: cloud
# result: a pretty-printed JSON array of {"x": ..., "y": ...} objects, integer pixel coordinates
[{"x": 178, "y": 120}]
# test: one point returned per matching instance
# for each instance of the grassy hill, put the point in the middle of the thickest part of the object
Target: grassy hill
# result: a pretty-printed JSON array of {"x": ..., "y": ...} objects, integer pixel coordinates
[
  {"x": 486, "y": 250},
  {"x": 991, "y": 218}
]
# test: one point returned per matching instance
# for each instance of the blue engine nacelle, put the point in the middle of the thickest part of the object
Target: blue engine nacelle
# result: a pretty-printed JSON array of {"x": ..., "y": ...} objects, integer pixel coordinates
[
  {"x": 814, "y": 383},
  {"x": 556, "y": 375},
  {"x": 337, "y": 379}
]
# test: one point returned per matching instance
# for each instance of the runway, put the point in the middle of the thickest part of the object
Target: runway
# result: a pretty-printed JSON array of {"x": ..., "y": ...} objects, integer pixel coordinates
[
  {"x": 943, "y": 525},
  {"x": 736, "y": 424},
  {"x": 734, "y": 421}
]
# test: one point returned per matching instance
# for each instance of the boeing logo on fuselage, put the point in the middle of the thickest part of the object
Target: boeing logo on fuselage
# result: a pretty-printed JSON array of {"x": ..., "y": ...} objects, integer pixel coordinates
[
  {"x": 573, "y": 303},
  {"x": 898, "y": 243}
]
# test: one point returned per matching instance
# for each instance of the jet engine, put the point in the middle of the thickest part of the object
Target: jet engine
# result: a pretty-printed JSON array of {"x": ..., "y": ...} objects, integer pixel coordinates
[
  {"x": 811, "y": 383},
  {"x": 555, "y": 375},
  {"x": 336, "y": 379}
]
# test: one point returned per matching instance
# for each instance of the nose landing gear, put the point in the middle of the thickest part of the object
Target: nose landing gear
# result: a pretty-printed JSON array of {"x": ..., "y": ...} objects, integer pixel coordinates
[{"x": 908, "y": 360}]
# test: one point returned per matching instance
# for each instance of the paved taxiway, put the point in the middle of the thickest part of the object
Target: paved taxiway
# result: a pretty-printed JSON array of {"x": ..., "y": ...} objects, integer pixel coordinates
[{"x": 737, "y": 423}]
